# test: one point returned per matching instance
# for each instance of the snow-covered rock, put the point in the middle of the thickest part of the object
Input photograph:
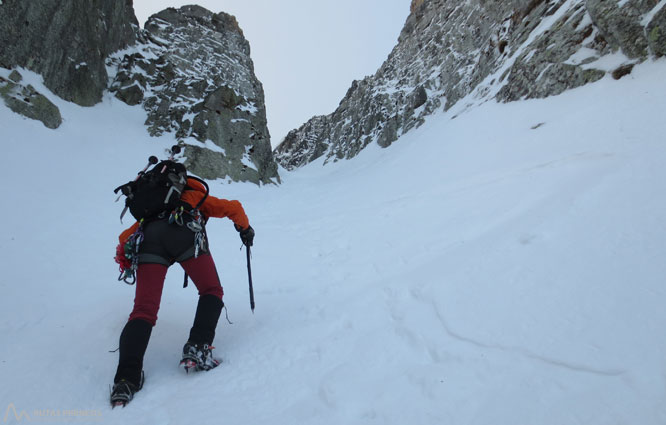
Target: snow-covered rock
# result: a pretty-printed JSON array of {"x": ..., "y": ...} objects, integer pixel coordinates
[
  {"x": 193, "y": 74},
  {"x": 24, "y": 99},
  {"x": 506, "y": 50}
]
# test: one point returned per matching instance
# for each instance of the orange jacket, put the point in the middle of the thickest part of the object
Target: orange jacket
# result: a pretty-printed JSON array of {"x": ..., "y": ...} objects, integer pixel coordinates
[{"x": 212, "y": 207}]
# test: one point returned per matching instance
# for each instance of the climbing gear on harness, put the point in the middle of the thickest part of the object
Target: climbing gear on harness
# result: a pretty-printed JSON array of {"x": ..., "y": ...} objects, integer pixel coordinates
[
  {"x": 196, "y": 225},
  {"x": 176, "y": 216},
  {"x": 127, "y": 256}
]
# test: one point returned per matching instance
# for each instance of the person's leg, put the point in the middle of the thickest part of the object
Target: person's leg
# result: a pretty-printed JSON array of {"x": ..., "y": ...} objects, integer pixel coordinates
[
  {"x": 203, "y": 273},
  {"x": 136, "y": 334},
  {"x": 149, "y": 285},
  {"x": 133, "y": 343}
]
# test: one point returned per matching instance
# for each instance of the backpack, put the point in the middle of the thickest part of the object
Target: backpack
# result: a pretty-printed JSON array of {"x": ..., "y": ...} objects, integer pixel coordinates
[
  {"x": 155, "y": 191},
  {"x": 158, "y": 190}
]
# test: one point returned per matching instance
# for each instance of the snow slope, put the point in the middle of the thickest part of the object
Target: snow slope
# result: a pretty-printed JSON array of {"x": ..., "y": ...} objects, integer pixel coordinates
[{"x": 499, "y": 266}]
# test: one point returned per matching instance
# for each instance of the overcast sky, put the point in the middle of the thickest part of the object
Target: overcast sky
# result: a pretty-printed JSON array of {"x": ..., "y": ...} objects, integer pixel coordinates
[{"x": 306, "y": 53}]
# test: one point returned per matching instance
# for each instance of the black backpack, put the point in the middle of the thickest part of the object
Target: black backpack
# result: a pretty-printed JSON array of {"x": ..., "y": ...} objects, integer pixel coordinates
[{"x": 157, "y": 190}]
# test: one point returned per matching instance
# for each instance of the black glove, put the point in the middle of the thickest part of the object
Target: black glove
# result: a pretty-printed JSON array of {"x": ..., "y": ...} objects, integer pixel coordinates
[{"x": 246, "y": 235}]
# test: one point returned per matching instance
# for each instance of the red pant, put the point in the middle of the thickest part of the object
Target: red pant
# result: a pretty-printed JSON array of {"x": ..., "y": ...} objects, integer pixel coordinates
[{"x": 150, "y": 281}]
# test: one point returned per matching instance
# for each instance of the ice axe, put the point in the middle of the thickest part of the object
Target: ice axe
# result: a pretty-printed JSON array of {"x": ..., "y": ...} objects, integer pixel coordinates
[
  {"x": 124, "y": 188},
  {"x": 249, "y": 276},
  {"x": 151, "y": 160},
  {"x": 175, "y": 150}
]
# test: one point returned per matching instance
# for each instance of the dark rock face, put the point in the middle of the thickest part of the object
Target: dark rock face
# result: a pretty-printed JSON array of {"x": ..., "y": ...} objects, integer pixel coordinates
[
  {"x": 193, "y": 74},
  {"x": 66, "y": 41},
  {"x": 479, "y": 50}
]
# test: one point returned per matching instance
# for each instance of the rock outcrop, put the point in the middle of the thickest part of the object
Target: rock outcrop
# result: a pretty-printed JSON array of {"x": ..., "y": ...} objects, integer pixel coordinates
[
  {"x": 25, "y": 100},
  {"x": 191, "y": 71},
  {"x": 66, "y": 41},
  {"x": 504, "y": 50}
]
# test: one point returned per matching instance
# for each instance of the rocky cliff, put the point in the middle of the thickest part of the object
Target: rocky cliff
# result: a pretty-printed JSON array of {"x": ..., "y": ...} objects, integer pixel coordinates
[
  {"x": 191, "y": 71},
  {"x": 66, "y": 41},
  {"x": 481, "y": 49}
]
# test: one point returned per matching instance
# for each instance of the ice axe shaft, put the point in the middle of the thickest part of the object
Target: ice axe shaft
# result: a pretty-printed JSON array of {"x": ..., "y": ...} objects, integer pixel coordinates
[{"x": 249, "y": 276}]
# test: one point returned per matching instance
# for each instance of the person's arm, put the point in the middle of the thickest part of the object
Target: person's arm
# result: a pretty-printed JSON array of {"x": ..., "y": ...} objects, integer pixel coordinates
[{"x": 216, "y": 207}]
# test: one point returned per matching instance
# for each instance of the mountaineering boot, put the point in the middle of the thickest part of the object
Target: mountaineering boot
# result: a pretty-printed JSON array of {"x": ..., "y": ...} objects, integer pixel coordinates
[
  {"x": 123, "y": 392},
  {"x": 198, "y": 357},
  {"x": 197, "y": 353}
]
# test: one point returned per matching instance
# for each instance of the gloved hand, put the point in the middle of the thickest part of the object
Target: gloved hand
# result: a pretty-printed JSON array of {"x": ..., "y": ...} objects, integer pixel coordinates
[{"x": 246, "y": 235}]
